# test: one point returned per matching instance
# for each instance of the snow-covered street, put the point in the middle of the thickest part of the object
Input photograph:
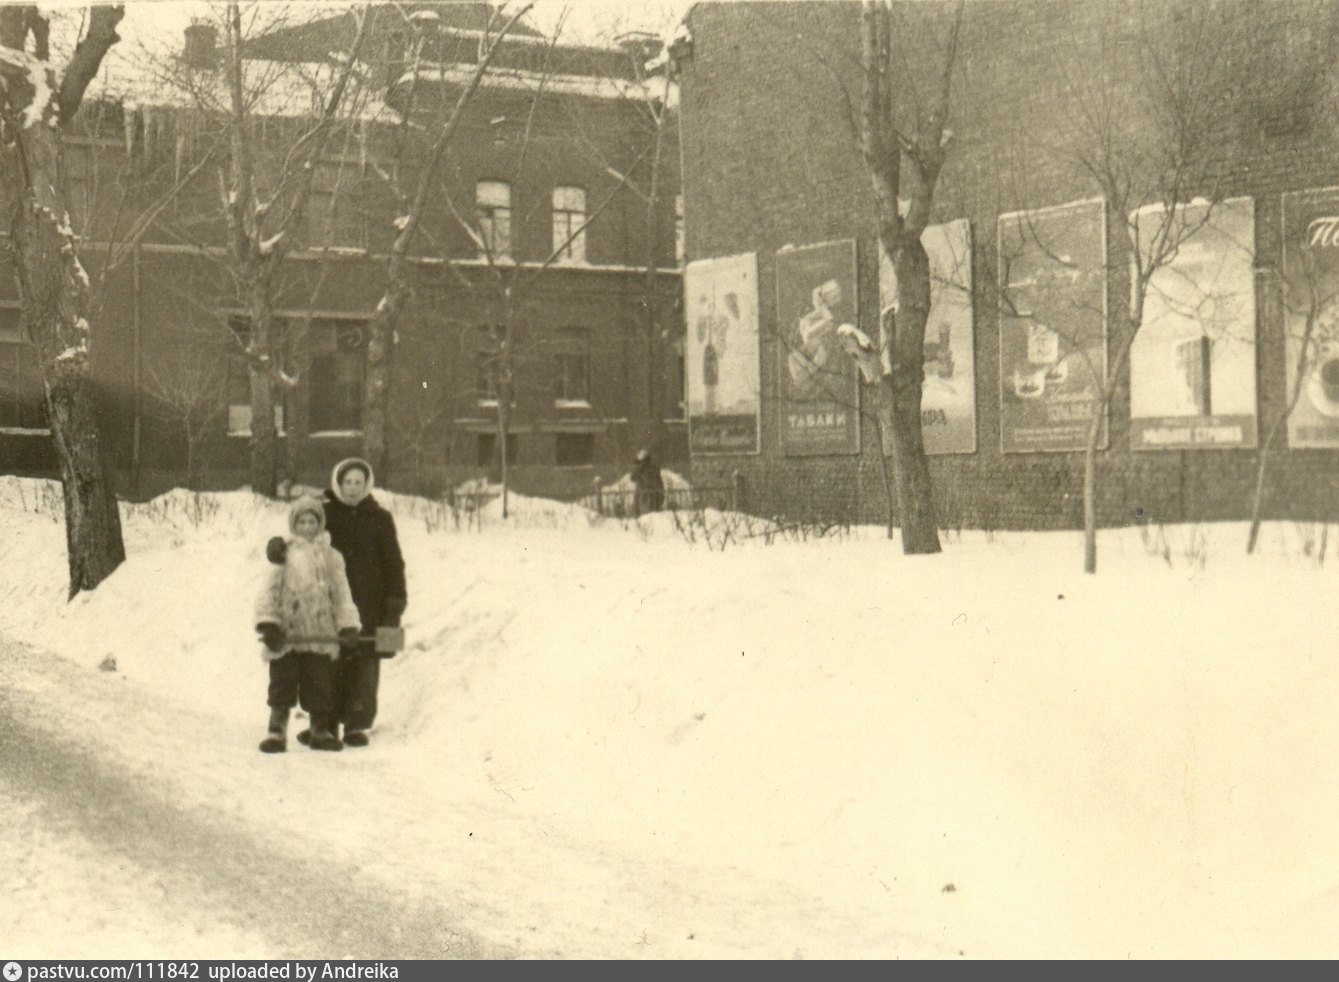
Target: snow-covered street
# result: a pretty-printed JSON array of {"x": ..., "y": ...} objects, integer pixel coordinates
[{"x": 607, "y": 741}]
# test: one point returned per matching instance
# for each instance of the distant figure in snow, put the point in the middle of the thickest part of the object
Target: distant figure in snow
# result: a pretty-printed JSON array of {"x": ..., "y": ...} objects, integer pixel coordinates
[
  {"x": 364, "y": 533},
  {"x": 649, "y": 484},
  {"x": 307, "y": 597}
]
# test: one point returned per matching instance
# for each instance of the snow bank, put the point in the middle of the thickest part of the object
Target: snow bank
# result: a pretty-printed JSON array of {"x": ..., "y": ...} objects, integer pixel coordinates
[{"x": 819, "y": 747}]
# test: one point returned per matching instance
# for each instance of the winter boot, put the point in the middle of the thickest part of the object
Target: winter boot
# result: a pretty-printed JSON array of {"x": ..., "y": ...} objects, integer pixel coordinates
[
  {"x": 276, "y": 740},
  {"x": 355, "y": 738},
  {"x": 323, "y": 734}
]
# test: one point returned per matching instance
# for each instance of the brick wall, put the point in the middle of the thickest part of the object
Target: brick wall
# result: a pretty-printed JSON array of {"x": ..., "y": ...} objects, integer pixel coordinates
[{"x": 769, "y": 160}]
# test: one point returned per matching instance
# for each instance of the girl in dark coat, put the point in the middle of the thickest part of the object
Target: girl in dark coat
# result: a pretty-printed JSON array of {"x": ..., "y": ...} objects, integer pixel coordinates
[{"x": 364, "y": 533}]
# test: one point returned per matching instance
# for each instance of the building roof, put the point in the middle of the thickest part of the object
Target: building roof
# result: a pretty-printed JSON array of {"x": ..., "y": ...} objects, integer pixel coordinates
[{"x": 314, "y": 40}]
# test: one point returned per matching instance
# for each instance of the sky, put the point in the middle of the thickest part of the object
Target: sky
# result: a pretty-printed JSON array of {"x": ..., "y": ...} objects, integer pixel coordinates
[{"x": 585, "y": 21}]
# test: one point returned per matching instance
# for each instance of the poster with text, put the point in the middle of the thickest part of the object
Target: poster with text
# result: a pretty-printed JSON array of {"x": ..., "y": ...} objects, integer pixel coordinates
[
  {"x": 1053, "y": 344},
  {"x": 948, "y": 394},
  {"x": 1192, "y": 364},
  {"x": 819, "y": 385},
  {"x": 1311, "y": 315},
  {"x": 721, "y": 354}
]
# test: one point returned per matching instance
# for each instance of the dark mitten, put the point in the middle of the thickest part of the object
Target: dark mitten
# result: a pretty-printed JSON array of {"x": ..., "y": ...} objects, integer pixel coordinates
[
  {"x": 273, "y": 636},
  {"x": 348, "y": 638},
  {"x": 276, "y": 550},
  {"x": 393, "y": 611}
]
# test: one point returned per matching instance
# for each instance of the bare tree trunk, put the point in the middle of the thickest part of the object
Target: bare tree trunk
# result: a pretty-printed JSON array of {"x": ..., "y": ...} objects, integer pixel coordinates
[
  {"x": 1090, "y": 491},
  {"x": 1299, "y": 380},
  {"x": 889, "y": 485},
  {"x": 1258, "y": 498},
  {"x": 53, "y": 287},
  {"x": 503, "y": 426},
  {"x": 655, "y": 418},
  {"x": 399, "y": 284},
  {"x": 915, "y": 495},
  {"x": 885, "y": 148},
  {"x": 264, "y": 438}
]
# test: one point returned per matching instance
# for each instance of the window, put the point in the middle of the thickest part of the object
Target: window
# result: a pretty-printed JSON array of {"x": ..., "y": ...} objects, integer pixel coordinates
[
  {"x": 21, "y": 399},
  {"x": 679, "y": 250},
  {"x": 573, "y": 363},
  {"x": 493, "y": 203},
  {"x": 569, "y": 215},
  {"x": 487, "y": 448},
  {"x": 338, "y": 367},
  {"x": 239, "y": 379},
  {"x": 488, "y": 363},
  {"x": 333, "y": 216},
  {"x": 574, "y": 449}
]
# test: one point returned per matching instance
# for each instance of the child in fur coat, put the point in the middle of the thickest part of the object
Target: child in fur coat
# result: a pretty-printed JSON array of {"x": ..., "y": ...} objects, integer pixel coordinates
[{"x": 304, "y": 606}]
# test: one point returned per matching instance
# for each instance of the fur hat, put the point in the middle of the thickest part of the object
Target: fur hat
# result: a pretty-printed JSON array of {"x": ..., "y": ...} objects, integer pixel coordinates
[{"x": 306, "y": 505}]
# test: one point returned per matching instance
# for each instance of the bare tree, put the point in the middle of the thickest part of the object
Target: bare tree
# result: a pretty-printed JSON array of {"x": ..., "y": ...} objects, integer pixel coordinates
[
  {"x": 1144, "y": 134},
  {"x": 259, "y": 244},
  {"x": 399, "y": 274},
  {"x": 507, "y": 286},
  {"x": 36, "y": 105},
  {"x": 276, "y": 121},
  {"x": 903, "y": 144},
  {"x": 1310, "y": 309},
  {"x": 651, "y": 105},
  {"x": 186, "y": 387}
]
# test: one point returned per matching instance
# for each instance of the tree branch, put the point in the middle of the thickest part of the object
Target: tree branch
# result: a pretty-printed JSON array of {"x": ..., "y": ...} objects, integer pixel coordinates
[{"x": 87, "y": 57}]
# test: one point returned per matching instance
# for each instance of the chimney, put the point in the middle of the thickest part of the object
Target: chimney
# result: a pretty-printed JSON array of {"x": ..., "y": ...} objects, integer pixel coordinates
[{"x": 201, "y": 50}]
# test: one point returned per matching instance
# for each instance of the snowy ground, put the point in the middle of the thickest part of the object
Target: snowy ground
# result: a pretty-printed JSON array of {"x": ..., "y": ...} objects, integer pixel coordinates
[{"x": 608, "y": 741}]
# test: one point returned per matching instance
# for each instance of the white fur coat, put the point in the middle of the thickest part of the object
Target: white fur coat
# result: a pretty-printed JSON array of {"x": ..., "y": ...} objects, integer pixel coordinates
[{"x": 308, "y": 596}]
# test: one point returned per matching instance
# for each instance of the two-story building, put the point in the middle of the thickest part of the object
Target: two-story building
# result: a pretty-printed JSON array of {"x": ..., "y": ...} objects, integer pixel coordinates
[{"x": 547, "y": 266}]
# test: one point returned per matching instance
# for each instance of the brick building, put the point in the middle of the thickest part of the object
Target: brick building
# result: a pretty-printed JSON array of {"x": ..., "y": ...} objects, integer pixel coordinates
[
  {"x": 770, "y": 95},
  {"x": 558, "y": 136}
]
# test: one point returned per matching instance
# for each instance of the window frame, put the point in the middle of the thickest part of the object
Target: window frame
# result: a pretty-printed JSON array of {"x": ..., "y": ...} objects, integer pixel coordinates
[
  {"x": 573, "y": 347},
  {"x": 568, "y": 218},
  {"x": 237, "y": 417},
  {"x": 494, "y": 219},
  {"x": 354, "y": 352},
  {"x": 15, "y": 350}
]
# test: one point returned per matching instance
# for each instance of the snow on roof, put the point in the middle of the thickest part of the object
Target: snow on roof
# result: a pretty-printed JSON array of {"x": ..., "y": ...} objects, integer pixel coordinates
[
  {"x": 591, "y": 86},
  {"x": 275, "y": 89}
]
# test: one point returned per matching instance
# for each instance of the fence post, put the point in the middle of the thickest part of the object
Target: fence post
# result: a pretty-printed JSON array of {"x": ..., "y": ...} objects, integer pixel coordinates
[
  {"x": 736, "y": 490},
  {"x": 599, "y": 503}
]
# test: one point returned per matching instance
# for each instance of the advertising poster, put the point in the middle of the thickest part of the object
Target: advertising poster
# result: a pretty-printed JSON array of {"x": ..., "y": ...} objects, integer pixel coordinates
[
  {"x": 948, "y": 396},
  {"x": 819, "y": 384},
  {"x": 1192, "y": 365},
  {"x": 721, "y": 354},
  {"x": 1311, "y": 297},
  {"x": 1052, "y": 265}
]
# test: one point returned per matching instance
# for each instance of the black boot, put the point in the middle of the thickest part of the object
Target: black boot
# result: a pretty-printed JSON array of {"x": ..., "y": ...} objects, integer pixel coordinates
[
  {"x": 276, "y": 740},
  {"x": 323, "y": 735}
]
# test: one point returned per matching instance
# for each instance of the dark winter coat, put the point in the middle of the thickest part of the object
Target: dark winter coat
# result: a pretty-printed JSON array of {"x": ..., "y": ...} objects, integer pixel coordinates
[
  {"x": 365, "y": 536},
  {"x": 650, "y": 486}
]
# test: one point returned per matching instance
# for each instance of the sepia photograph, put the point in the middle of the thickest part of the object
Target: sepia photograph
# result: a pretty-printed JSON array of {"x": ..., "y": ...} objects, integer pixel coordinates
[{"x": 662, "y": 480}]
